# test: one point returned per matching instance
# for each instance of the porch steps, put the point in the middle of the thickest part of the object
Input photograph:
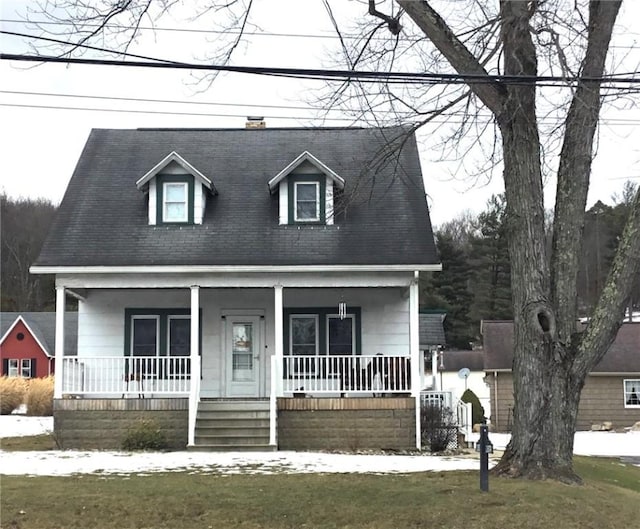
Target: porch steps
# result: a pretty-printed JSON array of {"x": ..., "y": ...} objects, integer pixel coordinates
[{"x": 232, "y": 425}]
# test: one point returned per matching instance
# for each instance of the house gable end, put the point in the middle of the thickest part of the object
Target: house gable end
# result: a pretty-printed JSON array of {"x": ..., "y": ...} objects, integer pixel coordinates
[{"x": 33, "y": 334}]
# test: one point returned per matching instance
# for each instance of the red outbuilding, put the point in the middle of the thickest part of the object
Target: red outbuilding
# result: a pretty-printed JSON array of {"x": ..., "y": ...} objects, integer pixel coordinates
[{"x": 27, "y": 346}]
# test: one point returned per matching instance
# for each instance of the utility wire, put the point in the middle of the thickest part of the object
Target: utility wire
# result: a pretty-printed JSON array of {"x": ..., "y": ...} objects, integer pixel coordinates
[
  {"x": 342, "y": 75},
  {"x": 453, "y": 114},
  {"x": 165, "y": 112},
  {"x": 316, "y": 74},
  {"x": 160, "y": 29}
]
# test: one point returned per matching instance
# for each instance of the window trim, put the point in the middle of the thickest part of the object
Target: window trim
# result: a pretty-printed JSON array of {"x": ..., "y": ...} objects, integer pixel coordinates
[
  {"x": 166, "y": 202},
  {"x": 163, "y": 317},
  {"x": 175, "y": 317},
  {"x": 13, "y": 371},
  {"x": 163, "y": 179},
  {"x": 350, "y": 316},
  {"x": 22, "y": 367},
  {"x": 322, "y": 313},
  {"x": 321, "y": 183},
  {"x": 316, "y": 217},
  {"x": 316, "y": 319},
  {"x": 145, "y": 317},
  {"x": 16, "y": 368},
  {"x": 626, "y": 395}
]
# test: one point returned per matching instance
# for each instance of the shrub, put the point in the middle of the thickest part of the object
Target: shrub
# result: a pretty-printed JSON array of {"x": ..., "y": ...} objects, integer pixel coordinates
[
  {"x": 145, "y": 435},
  {"x": 438, "y": 428},
  {"x": 12, "y": 391},
  {"x": 39, "y": 399},
  {"x": 477, "y": 411}
]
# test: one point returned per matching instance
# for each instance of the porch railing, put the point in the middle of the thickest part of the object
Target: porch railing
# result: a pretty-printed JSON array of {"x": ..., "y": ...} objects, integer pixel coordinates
[
  {"x": 126, "y": 376},
  {"x": 377, "y": 374}
]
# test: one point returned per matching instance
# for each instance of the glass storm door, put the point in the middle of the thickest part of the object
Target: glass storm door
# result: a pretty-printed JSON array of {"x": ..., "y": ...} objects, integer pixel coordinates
[{"x": 244, "y": 344}]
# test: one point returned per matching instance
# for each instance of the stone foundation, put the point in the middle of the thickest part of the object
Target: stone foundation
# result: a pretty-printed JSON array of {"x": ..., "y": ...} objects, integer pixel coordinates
[
  {"x": 103, "y": 423},
  {"x": 347, "y": 424}
]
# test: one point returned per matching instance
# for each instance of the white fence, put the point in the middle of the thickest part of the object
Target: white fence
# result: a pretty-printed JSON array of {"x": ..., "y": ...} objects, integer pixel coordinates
[
  {"x": 126, "y": 376},
  {"x": 346, "y": 374}
]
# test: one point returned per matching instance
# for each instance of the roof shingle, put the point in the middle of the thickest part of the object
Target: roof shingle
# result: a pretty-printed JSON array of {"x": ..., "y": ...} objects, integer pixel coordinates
[{"x": 102, "y": 220}]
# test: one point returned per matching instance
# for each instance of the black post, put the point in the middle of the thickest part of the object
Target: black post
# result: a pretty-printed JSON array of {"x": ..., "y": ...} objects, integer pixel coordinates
[{"x": 484, "y": 458}]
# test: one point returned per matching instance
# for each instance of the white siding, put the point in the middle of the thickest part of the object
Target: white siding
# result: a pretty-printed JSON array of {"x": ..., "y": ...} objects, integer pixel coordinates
[
  {"x": 173, "y": 168},
  {"x": 384, "y": 319},
  {"x": 329, "y": 201},
  {"x": 384, "y": 314},
  {"x": 153, "y": 196},
  {"x": 198, "y": 202},
  {"x": 283, "y": 197},
  {"x": 475, "y": 382}
]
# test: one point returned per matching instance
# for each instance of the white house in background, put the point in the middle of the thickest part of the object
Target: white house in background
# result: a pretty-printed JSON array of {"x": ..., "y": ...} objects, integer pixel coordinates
[
  {"x": 459, "y": 370},
  {"x": 225, "y": 276}
]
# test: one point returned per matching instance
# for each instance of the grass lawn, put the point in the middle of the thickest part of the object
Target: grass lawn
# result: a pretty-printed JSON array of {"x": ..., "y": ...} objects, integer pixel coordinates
[{"x": 610, "y": 498}]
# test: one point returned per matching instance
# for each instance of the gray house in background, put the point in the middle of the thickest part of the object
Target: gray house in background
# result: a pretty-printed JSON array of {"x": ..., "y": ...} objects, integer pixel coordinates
[
  {"x": 611, "y": 391},
  {"x": 247, "y": 288}
]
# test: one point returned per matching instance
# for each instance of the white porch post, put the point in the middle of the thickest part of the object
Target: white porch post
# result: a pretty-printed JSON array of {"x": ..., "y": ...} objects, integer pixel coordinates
[
  {"x": 276, "y": 364},
  {"x": 194, "y": 390},
  {"x": 279, "y": 332},
  {"x": 434, "y": 369},
  {"x": 414, "y": 347},
  {"x": 59, "y": 342}
]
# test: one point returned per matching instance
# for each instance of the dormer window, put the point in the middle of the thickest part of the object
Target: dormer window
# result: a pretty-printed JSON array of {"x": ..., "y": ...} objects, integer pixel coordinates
[
  {"x": 307, "y": 201},
  {"x": 306, "y": 189},
  {"x": 177, "y": 192},
  {"x": 175, "y": 199},
  {"x": 175, "y": 202}
]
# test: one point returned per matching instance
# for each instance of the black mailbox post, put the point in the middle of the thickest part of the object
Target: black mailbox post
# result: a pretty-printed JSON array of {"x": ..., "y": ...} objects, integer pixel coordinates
[{"x": 485, "y": 448}]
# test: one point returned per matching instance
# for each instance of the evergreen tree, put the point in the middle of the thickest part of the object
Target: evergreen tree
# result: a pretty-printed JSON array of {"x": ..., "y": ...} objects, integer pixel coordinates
[{"x": 449, "y": 291}]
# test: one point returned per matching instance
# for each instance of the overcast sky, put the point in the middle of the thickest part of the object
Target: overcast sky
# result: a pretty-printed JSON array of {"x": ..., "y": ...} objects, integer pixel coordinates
[{"x": 40, "y": 146}]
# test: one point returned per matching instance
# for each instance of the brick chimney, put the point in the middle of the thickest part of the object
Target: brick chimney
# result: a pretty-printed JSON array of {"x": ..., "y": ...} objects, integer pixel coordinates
[{"x": 256, "y": 122}]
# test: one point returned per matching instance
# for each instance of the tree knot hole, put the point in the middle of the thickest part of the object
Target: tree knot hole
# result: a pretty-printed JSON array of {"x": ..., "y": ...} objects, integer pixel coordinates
[{"x": 544, "y": 322}]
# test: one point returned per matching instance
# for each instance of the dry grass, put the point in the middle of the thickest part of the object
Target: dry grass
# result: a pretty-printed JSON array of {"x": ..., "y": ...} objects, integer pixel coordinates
[
  {"x": 39, "y": 397},
  {"x": 12, "y": 393},
  {"x": 452, "y": 500}
]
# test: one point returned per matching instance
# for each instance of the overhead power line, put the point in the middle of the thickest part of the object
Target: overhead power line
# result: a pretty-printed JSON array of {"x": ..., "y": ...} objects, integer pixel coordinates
[
  {"x": 160, "y": 29},
  {"x": 342, "y": 75},
  {"x": 410, "y": 114},
  {"x": 169, "y": 112},
  {"x": 322, "y": 74}
]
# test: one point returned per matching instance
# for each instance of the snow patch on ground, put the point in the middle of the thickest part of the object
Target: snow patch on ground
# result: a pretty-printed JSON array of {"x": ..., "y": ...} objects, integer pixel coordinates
[
  {"x": 69, "y": 462},
  {"x": 21, "y": 425}
]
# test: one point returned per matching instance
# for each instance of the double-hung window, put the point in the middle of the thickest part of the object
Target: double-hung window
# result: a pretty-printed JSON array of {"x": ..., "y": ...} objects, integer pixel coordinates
[
  {"x": 144, "y": 343},
  {"x": 304, "y": 341},
  {"x": 158, "y": 342},
  {"x": 306, "y": 201},
  {"x": 179, "y": 345},
  {"x": 314, "y": 334},
  {"x": 175, "y": 202},
  {"x": 632, "y": 393},
  {"x": 19, "y": 367}
]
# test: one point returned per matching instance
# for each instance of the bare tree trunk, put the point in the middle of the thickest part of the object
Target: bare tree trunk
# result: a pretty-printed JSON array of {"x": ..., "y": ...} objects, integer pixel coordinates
[{"x": 551, "y": 358}]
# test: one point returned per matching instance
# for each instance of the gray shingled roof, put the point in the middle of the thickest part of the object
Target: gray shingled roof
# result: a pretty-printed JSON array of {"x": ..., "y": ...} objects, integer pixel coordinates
[
  {"x": 454, "y": 360},
  {"x": 431, "y": 329},
  {"x": 43, "y": 326},
  {"x": 102, "y": 219},
  {"x": 622, "y": 357}
]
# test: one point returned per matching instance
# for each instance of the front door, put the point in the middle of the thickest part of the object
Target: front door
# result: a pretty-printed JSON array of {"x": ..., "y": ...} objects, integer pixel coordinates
[{"x": 243, "y": 359}]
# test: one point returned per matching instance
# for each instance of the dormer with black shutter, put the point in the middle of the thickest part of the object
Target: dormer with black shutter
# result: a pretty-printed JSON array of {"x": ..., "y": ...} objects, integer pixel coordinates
[
  {"x": 306, "y": 190},
  {"x": 177, "y": 191}
]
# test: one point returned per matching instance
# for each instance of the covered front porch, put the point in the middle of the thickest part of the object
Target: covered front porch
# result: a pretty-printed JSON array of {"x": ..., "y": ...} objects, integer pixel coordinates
[{"x": 316, "y": 337}]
